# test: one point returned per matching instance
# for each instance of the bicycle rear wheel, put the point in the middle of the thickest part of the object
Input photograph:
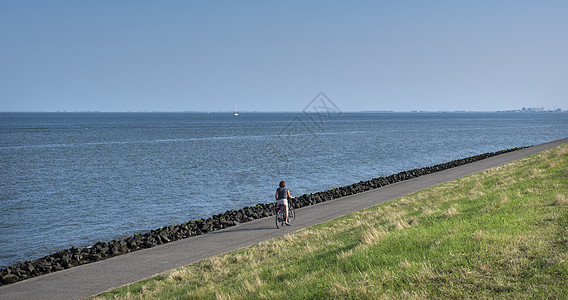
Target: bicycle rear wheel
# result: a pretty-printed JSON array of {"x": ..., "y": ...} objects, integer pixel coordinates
[{"x": 279, "y": 218}]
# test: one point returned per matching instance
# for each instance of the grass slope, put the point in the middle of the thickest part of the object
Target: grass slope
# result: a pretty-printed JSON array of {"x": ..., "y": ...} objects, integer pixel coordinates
[{"x": 499, "y": 233}]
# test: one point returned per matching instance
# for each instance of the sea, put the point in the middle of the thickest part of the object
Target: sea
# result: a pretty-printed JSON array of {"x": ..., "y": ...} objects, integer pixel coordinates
[{"x": 73, "y": 179}]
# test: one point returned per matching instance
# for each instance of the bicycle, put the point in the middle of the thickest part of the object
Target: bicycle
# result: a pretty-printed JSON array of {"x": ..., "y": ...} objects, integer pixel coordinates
[{"x": 281, "y": 217}]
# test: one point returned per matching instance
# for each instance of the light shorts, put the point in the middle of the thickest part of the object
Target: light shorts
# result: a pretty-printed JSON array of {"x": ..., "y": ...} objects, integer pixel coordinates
[{"x": 282, "y": 201}]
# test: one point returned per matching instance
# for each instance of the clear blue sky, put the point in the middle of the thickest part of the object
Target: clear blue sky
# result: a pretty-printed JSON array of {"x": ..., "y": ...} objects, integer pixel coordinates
[{"x": 272, "y": 56}]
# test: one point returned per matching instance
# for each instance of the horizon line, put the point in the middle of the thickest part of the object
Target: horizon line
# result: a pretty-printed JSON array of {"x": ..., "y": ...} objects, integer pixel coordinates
[{"x": 286, "y": 111}]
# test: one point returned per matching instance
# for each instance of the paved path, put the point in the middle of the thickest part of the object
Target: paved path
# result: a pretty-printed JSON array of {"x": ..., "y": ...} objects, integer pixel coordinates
[{"x": 94, "y": 278}]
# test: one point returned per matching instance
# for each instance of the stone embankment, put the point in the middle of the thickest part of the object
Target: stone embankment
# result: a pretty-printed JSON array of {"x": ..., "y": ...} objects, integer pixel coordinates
[{"x": 102, "y": 250}]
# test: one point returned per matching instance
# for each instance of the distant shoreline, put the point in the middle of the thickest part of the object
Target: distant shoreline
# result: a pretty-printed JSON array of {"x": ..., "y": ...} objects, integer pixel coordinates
[{"x": 290, "y": 112}]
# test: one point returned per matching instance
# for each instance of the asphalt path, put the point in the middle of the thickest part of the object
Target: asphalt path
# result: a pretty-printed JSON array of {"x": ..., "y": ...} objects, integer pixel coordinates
[{"x": 94, "y": 278}]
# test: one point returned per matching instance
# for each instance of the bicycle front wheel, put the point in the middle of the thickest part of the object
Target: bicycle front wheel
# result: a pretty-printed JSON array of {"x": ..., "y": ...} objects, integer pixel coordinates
[{"x": 291, "y": 215}]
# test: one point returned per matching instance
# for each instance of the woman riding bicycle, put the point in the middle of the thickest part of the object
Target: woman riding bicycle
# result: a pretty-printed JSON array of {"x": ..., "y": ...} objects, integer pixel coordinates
[{"x": 282, "y": 195}]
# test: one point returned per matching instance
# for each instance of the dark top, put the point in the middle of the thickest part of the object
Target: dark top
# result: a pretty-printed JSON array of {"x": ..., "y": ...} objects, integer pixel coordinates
[{"x": 282, "y": 193}]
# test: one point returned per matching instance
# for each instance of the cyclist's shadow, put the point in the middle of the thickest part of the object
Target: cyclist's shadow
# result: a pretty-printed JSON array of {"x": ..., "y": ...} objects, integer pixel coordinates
[{"x": 234, "y": 229}]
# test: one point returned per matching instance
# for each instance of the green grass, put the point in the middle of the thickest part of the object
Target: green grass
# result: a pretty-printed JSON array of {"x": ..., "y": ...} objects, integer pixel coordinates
[{"x": 502, "y": 233}]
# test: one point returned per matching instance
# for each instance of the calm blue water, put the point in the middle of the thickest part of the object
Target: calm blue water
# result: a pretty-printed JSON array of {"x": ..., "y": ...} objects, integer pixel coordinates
[{"x": 72, "y": 179}]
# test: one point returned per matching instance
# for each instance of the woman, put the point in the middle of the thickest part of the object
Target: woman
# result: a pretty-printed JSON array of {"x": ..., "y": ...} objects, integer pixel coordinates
[{"x": 282, "y": 195}]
